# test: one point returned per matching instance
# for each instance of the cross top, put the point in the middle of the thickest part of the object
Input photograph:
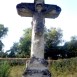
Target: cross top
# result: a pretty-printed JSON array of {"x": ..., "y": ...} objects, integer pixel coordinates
[
  {"x": 39, "y": 1},
  {"x": 28, "y": 9},
  {"x": 39, "y": 5}
]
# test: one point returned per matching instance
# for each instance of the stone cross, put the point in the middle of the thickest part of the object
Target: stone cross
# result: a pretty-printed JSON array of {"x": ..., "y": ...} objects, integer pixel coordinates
[{"x": 37, "y": 66}]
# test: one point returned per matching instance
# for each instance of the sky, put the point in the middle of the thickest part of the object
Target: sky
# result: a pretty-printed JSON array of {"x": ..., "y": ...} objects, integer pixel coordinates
[{"x": 67, "y": 19}]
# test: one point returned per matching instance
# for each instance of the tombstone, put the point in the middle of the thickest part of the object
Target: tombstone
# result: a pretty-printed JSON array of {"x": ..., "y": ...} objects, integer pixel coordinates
[{"x": 37, "y": 66}]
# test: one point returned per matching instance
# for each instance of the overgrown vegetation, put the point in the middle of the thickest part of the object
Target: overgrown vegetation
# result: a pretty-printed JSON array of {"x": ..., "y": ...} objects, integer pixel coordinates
[
  {"x": 17, "y": 71},
  {"x": 58, "y": 68},
  {"x": 4, "y": 69},
  {"x": 64, "y": 68}
]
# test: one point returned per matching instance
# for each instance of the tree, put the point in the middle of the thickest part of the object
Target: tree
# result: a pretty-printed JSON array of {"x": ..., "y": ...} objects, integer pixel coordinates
[
  {"x": 3, "y": 32},
  {"x": 1, "y": 45},
  {"x": 25, "y": 43},
  {"x": 53, "y": 38},
  {"x": 71, "y": 47},
  {"x": 13, "y": 50}
]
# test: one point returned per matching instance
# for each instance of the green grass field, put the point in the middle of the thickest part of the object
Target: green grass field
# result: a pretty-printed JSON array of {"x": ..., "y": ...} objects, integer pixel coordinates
[{"x": 59, "y": 68}]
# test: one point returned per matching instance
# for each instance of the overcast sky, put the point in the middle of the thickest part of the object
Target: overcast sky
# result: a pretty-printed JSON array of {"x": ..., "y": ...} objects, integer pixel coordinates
[{"x": 67, "y": 19}]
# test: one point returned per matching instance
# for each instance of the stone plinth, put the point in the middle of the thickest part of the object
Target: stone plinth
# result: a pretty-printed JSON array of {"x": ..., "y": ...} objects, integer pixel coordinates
[{"x": 37, "y": 67}]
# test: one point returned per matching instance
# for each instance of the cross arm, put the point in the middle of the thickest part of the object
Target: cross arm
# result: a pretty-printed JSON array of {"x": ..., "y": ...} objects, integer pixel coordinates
[
  {"x": 25, "y": 9},
  {"x": 51, "y": 11},
  {"x": 28, "y": 9}
]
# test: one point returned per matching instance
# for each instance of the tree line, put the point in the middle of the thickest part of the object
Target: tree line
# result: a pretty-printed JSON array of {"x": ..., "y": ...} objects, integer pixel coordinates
[
  {"x": 53, "y": 47},
  {"x": 3, "y": 32}
]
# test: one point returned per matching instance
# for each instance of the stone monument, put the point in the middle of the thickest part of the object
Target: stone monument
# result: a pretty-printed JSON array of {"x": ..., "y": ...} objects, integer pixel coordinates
[{"x": 37, "y": 66}]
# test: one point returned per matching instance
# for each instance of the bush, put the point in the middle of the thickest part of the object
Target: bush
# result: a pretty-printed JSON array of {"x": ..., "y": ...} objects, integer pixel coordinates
[
  {"x": 64, "y": 67},
  {"x": 4, "y": 69}
]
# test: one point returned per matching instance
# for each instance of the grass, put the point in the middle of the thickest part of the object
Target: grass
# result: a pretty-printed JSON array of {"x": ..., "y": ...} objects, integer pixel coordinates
[
  {"x": 59, "y": 68},
  {"x": 64, "y": 68},
  {"x": 17, "y": 71},
  {"x": 4, "y": 69}
]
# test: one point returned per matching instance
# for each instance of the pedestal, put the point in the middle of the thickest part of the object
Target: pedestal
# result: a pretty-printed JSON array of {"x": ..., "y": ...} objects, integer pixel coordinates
[{"x": 37, "y": 67}]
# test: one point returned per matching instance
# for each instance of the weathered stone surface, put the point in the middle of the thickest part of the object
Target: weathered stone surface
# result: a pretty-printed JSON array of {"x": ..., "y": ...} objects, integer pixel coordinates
[
  {"x": 37, "y": 62},
  {"x": 37, "y": 73},
  {"x": 28, "y": 10},
  {"x": 37, "y": 68},
  {"x": 37, "y": 45}
]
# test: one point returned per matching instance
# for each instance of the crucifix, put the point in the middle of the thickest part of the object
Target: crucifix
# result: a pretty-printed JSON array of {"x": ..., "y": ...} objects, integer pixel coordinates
[{"x": 37, "y": 66}]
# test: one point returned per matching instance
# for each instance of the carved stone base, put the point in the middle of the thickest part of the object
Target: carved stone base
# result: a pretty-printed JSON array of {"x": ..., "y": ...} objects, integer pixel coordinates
[{"x": 37, "y": 68}]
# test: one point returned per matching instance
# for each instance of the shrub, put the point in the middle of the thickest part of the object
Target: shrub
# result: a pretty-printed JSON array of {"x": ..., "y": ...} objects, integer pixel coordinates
[
  {"x": 4, "y": 69},
  {"x": 64, "y": 67}
]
